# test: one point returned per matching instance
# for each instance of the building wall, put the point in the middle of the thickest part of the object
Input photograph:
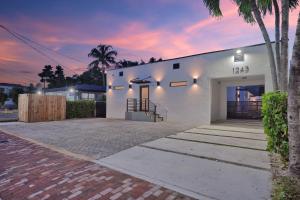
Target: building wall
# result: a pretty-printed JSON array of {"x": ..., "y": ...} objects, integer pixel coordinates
[{"x": 193, "y": 103}]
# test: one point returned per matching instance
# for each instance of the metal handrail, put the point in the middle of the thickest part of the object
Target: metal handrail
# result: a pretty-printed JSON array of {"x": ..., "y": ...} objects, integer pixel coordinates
[{"x": 145, "y": 105}]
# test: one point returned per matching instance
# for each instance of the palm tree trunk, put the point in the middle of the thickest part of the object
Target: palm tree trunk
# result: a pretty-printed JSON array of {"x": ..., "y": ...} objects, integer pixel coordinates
[
  {"x": 294, "y": 107},
  {"x": 284, "y": 45},
  {"x": 265, "y": 34},
  {"x": 277, "y": 38},
  {"x": 103, "y": 76}
]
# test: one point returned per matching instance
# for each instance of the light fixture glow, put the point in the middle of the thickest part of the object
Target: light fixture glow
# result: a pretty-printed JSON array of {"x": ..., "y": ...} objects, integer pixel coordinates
[
  {"x": 71, "y": 90},
  {"x": 238, "y": 51},
  {"x": 39, "y": 92}
]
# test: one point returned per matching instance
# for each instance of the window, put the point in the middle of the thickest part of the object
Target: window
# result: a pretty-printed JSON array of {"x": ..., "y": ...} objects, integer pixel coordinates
[
  {"x": 88, "y": 96},
  {"x": 176, "y": 66},
  {"x": 178, "y": 84},
  {"x": 118, "y": 87},
  {"x": 84, "y": 95},
  {"x": 92, "y": 96},
  {"x": 121, "y": 73}
]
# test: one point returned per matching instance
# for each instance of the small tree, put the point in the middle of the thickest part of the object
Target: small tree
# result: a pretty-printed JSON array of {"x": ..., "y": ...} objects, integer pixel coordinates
[{"x": 3, "y": 97}]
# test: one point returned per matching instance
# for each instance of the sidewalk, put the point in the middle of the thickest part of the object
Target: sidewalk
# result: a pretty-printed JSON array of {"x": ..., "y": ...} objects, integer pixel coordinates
[{"x": 30, "y": 171}]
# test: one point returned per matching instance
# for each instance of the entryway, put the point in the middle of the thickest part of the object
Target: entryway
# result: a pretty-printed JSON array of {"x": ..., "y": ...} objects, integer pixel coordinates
[
  {"x": 244, "y": 102},
  {"x": 236, "y": 98}
]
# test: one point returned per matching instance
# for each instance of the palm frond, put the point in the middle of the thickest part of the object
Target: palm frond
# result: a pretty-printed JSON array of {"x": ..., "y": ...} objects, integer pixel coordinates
[
  {"x": 213, "y": 7},
  {"x": 293, "y": 4}
]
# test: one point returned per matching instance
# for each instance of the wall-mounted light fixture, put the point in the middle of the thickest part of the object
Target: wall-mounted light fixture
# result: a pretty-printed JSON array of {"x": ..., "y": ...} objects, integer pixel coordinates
[
  {"x": 130, "y": 86},
  {"x": 195, "y": 81},
  {"x": 158, "y": 83},
  {"x": 71, "y": 90},
  {"x": 109, "y": 87},
  {"x": 238, "y": 56},
  {"x": 39, "y": 92}
]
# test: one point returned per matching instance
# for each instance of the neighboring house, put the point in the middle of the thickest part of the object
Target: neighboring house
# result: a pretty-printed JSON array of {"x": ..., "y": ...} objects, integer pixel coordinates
[
  {"x": 196, "y": 89},
  {"x": 8, "y": 87},
  {"x": 79, "y": 92}
]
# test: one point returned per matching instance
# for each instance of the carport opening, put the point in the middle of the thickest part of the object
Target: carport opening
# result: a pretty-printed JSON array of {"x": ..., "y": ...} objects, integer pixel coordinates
[{"x": 244, "y": 102}]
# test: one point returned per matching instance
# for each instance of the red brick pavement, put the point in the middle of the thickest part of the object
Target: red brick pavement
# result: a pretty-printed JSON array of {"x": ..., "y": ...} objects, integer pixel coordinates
[{"x": 30, "y": 171}]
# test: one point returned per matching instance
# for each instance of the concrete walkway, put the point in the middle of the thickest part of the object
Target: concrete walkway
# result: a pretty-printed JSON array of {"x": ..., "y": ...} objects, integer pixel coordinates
[{"x": 219, "y": 161}]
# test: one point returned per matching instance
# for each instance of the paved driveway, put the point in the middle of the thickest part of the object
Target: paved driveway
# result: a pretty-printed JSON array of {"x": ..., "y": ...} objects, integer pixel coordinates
[
  {"x": 95, "y": 138},
  {"x": 224, "y": 161}
]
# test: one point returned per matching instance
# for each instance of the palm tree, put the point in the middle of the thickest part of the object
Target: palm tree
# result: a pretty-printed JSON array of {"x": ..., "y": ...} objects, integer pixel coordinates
[
  {"x": 293, "y": 107},
  {"x": 105, "y": 56}
]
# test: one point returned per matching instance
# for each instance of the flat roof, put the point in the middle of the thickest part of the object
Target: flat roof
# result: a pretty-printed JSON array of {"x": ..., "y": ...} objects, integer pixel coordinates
[{"x": 210, "y": 52}]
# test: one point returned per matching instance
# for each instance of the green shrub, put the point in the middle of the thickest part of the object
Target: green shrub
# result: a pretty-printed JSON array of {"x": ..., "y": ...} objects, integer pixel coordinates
[
  {"x": 80, "y": 109},
  {"x": 286, "y": 188},
  {"x": 274, "y": 110}
]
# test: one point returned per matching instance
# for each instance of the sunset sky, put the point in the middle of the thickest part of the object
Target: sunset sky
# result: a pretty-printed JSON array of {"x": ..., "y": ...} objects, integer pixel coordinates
[{"x": 138, "y": 29}]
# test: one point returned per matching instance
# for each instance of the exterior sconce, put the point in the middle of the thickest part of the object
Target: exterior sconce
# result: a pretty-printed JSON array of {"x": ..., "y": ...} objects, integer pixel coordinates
[
  {"x": 238, "y": 56},
  {"x": 109, "y": 87},
  {"x": 71, "y": 90},
  {"x": 158, "y": 83},
  {"x": 39, "y": 92},
  {"x": 195, "y": 81},
  {"x": 130, "y": 86}
]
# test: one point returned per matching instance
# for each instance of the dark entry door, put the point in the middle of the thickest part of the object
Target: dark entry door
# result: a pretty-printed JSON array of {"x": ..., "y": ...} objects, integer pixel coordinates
[
  {"x": 144, "y": 97},
  {"x": 244, "y": 102}
]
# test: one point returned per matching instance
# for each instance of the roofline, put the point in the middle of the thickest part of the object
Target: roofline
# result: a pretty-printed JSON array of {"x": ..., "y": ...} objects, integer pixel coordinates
[{"x": 199, "y": 54}]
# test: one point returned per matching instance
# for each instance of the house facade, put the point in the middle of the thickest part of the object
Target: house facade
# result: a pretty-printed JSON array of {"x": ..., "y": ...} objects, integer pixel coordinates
[
  {"x": 8, "y": 87},
  {"x": 196, "y": 89},
  {"x": 79, "y": 92}
]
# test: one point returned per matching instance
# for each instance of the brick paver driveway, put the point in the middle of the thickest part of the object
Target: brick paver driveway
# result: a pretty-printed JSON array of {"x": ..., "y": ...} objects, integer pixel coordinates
[
  {"x": 30, "y": 171},
  {"x": 95, "y": 138}
]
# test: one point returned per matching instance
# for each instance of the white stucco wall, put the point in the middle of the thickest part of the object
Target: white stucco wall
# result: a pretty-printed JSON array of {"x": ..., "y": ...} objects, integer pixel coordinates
[{"x": 193, "y": 104}]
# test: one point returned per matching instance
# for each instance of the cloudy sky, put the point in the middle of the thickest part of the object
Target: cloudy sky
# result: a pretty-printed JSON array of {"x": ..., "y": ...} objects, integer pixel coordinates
[{"x": 138, "y": 29}]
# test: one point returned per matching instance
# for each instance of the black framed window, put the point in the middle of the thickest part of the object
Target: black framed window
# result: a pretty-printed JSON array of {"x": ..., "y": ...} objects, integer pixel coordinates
[
  {"x": 176, "y": 66},
  {"x": 121, "y": 73}
]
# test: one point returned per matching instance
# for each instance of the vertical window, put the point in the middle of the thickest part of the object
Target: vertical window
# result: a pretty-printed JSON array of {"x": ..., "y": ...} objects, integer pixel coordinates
[{"x": 121, "y": 73}]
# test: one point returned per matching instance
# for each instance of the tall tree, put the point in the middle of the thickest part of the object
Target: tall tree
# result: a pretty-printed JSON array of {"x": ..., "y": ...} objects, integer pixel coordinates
[
  {"x": 294, "y": 107},
  {"x": 46, "y": 75},
  {"x": 105, "y": 56},
  {"x": 284, "y": 44},
  {"x": 59, "y": 77}
]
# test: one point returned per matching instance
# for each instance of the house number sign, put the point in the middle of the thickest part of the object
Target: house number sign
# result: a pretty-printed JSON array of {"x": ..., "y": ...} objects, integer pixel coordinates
[{"x": 240, "y": 70}]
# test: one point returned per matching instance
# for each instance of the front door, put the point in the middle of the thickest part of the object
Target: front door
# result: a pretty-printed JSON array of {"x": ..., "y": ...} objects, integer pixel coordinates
[{"x": 144, "y": 97}]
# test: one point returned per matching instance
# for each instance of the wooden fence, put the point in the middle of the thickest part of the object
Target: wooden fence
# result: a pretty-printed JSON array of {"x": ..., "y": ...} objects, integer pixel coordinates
[{"x": 37, "y": 108}]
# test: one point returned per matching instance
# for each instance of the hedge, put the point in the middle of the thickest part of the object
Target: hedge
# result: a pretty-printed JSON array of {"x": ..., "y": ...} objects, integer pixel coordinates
[
  {"x": 274, "y": 110},
  {"x": 80, "y": 109}
]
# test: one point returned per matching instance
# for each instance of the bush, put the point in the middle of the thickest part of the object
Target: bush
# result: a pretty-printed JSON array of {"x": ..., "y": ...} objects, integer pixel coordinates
[
  {"x": 286, "y": 188},
  {"x": 274, "y": 110},
  {"x": 80, "y": 109}
]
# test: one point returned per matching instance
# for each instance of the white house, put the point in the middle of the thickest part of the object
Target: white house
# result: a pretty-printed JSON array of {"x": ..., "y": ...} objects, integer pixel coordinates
[{"x": 196, "y": 89}]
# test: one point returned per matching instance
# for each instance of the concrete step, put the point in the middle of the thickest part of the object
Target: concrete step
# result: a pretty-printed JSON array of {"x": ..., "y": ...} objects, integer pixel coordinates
[
  {"x": 199, "y": 178},
  {"x": 232, "y": 128},
  {"x": 219, "y": 140},
  {"x": 234, "y": 155},
  {"x": 228, "y": 133}
]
